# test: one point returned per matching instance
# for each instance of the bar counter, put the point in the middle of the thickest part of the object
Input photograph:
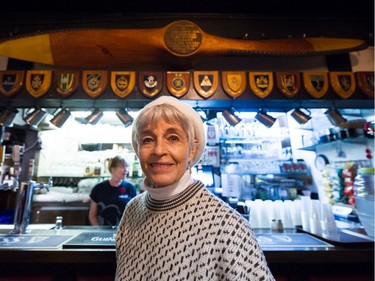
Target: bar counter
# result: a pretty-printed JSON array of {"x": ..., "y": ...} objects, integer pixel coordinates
[{"x": 27, "y": 257}]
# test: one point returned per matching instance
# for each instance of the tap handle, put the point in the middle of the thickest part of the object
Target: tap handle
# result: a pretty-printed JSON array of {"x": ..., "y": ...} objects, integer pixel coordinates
[
  {"x": 31, "y": 168},
  {"x": 15, "y": 184},
  {"x": 50, "y": 181}
]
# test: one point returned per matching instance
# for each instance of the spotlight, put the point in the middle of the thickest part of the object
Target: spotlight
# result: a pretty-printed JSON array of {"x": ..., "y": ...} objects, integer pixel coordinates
[
  {"x": 124, "y": 116},
  {"x": 61, "y": 117},
  {"x": 335, "y": 117},
  {"x": 201, "y": 113},
  {"x": 301, "y": 115},
  {"x": 230, "y": 115},
  {"x": 94, "y": 117},
  {"x": 263, "y": 117},
  {"x": 7, "y": 116},
  {"x": 35, "y": 117}
]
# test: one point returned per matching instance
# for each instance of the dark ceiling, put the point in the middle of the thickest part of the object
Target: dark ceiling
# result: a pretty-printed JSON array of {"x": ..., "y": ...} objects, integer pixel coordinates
[
  {"x": 329, "y": 18},
  {"x": 316, "y": 8},
  {"x": 239, "y": 19}
]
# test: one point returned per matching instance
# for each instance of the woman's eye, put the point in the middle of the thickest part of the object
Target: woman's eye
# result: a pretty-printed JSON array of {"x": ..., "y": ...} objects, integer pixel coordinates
[
  {"x": 174, "y": 138},
  {"x": 146, "y": 140}
]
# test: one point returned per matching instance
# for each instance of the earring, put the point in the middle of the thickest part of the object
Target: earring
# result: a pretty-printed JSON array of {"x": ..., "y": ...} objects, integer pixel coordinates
[{"x": 189, "y": 166}]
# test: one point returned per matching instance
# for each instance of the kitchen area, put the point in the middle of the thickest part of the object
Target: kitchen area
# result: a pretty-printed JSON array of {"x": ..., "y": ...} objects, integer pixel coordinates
[{"x": 290, "y": 143}]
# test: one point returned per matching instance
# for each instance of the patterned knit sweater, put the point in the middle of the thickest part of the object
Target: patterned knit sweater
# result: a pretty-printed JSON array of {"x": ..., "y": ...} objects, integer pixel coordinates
[{"x": 193, "y": 236}]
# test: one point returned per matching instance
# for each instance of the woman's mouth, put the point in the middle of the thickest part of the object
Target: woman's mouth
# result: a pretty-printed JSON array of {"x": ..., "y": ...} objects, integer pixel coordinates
[{"x": 160, "y": 165}]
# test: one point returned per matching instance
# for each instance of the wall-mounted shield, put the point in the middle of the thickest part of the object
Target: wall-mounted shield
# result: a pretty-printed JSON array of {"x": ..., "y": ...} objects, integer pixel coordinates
[
  {"x": 178, "y": 83},
  {"x": 316, "y": 83},
  {"x": 122, "y": 82},
  {"x": 150, "y": 83},
  {"x": 261, "y": 83},
  {"x": 343, "y": 83},
  {"x": 38, "y": 82},
  {"x": 66, "y": 82},
  {"x": 365, "y": 80},
  {"x": 11, "y": 82},
  {"x": 94, "y": 82},
  {"x": 288, "y": 83},
  {"x": 206, "y": 82},
  {"x": 234, "y": 83}
]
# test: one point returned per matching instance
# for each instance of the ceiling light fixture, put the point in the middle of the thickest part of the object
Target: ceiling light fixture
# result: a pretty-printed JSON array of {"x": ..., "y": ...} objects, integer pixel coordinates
[
  {"x": 7, "y": 116},
  {"x": 124, "y": 117},
  {"x": 231, "y": 115},
  {"x": 35, "y": 117},
  {"x": 94, "y": 117},
  {"x": 263, "y": 117},
  {"x": 301, "y": 115},
  {"x": 335, "y": 117},
  {"x": 61, "y": 117}
]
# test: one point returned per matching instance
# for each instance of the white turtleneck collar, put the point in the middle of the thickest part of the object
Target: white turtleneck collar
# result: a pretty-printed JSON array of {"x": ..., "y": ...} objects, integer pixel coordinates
[{"x": 169, "y": 191}]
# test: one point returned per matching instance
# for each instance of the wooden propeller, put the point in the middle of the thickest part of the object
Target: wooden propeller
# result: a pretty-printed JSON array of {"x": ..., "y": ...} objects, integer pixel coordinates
[{"x": 181, "y": 43}]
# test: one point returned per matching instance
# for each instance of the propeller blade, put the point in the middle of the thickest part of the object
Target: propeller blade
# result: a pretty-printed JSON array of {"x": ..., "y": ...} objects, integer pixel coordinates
[{"x": 181, "y": 43}]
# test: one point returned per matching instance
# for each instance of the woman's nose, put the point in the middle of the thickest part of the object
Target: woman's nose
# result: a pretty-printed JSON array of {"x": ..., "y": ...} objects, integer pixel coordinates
[{"x": 159, "y": 147}]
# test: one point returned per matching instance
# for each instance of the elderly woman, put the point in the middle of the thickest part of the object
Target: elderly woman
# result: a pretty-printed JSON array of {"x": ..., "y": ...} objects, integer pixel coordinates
[{"x": 177, "y": 229}]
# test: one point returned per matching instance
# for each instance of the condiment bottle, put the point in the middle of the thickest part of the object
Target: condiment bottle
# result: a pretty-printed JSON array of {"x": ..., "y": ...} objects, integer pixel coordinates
[{"x": 364, "y": 198}]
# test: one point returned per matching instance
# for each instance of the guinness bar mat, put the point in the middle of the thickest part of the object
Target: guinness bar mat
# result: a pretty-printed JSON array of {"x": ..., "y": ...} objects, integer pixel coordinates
[
  {"x": 92, "y": 240},
  {"x": 32, "y": 241},
  {"x": 289, "y": 240},
  {"x": 284, "y": 240}
]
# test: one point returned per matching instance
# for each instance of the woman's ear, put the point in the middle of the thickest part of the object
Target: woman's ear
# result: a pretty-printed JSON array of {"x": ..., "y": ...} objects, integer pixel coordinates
[{"x": 193, "y": 150}]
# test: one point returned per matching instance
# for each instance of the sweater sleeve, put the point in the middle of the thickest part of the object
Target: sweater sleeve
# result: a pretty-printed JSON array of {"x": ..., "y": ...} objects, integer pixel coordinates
[{"x": 245, "y": 258}]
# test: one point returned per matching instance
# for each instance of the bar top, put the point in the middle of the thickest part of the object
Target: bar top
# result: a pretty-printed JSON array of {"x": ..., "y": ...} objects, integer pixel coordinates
[
  {"x": 71, "y": 240},
  {"x": 85, "y": 248}
]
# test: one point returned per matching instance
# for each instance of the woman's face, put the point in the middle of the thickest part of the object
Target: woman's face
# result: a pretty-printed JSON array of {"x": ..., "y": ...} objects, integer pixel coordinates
[
  {"x": 119, "y": 172},
  {"x": 164, "y": 153}
]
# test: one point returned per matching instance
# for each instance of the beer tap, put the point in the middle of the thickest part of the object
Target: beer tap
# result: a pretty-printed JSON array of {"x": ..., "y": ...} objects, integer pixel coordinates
[
  {"x": 13, "y": 182},
  {"x": 42, "y": 185},
  {"x": 16, "y": 183},
  {"x": 24, "y": 200},
  {"x": 6, "y": 186}
]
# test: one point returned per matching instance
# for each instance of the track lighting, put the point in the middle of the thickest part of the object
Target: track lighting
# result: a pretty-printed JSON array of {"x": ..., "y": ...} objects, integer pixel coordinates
[
  {"x": 7, "y": 116},
  {"x": 35, "y": 117},
  {"x": 231, "y": 115},
  {"x": 335, "y": 117},
  {"x": 60, "y": 118},
  {"x": 263, "y": 117},
  {"x": 125, "y": 117},
  {"x": 94, "y": 117},
  {"x": 301, "y": 115}
]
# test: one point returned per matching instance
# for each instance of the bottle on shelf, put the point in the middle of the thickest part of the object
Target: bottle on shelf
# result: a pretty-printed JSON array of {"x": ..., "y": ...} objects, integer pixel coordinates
[
  {"x": 364, "y": 198},
  {"x": 98, "y": 169},
  {"x": 137, "y": 172}
]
